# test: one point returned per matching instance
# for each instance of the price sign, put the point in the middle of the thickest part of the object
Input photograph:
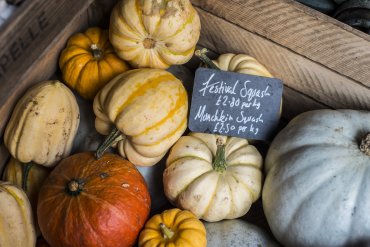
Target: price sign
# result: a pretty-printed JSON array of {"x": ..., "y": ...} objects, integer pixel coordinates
[{"x": 235, "y": 104}]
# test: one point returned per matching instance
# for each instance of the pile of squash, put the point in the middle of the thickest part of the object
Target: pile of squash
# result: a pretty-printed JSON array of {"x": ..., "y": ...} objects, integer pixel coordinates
[{"x": 98, "y": 168}]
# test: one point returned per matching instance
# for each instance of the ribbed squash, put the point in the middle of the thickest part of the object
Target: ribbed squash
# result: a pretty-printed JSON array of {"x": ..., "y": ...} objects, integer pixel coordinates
[
  {"x": 29, "y": 177},
  {"x": 171, "y": 228},
  {"x": 89, "y": 62},
  {"x": 154, "y": 33},
  {"x": 16, "y": 221},
  {"x": 43, "y": 124},
  {"x": 215, "y": 177},
  {"x": 149, "y": 109},
  {"x": 241, "y": 63}
]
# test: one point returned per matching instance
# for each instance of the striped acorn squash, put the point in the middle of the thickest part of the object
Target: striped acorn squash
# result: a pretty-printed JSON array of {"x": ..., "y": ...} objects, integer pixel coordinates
[{"x": 147, "y": 108}]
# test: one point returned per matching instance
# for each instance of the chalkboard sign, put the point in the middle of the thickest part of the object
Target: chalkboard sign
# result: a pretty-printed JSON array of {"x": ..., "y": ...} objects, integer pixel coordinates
[{"x": 234, "y": 104}]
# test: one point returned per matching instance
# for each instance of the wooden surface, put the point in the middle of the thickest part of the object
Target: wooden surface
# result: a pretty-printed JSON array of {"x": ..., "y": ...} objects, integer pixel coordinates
[{"x": 318, "y": 81}]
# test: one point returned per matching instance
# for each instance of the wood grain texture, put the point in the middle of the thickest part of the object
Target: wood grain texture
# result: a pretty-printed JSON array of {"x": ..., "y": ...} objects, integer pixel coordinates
[
  {"x": 309, "y": 85},
  {"x": 304, "y": 31}
]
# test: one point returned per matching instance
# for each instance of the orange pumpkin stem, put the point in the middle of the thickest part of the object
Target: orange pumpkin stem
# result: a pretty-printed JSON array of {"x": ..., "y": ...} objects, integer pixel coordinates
[
  {"x": 74, "y": 187},
  {"x": 167, "y": 233},
  {"x": 219, "y": 164},
  {"x": 365, "y": 144},
  {"x": 202, "y": 56}
]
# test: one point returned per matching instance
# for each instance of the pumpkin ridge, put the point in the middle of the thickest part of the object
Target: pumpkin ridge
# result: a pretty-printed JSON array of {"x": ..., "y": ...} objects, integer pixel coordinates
[
  {"x": 51, "y": 198},
  {"x": 142, "y": 90},
  {"x": 63, "y": 60},
  {"x": 187, "y": 186},
  {"x": 137, "y": 10},
  {"x": 125, "y": 22},
  {"x": 73, "y": 122},
  {"x": 117, "y": 211},
  {"x": 308, "y": 167},
  {"x": 358, "y": 196},
  {"x": 115, "y": 186},
  {"x": 189, "y": 157},
  {"x": 188, "y": 21},
  {"x": 87, "y": 222},
  {"x": 212, "y": 197},
  {"x": 173, "y": 132},
  {"x": 117, "y": 32},
  {"x": 73, "y": 83},
  {"x": 307, "y": 196},
  {"x": 20, "y": 131},
  {"x": 78, "y": 85},
  {"x": 179, "y": 53},
  {"x": 251, "y": 192}
]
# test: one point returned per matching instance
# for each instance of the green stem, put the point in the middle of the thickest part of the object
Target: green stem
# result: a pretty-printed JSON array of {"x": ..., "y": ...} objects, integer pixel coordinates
[
  {"x": 167, "y": 233},
  {"x": 109, "y": 140},
  {"x": 219, "y": 164},
  {"x": 25, "y": 171},
  {"x": 202, "y": 56}
]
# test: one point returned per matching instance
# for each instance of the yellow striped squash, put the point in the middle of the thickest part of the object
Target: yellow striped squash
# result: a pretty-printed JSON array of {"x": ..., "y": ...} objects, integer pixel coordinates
[
  {"x": 154, "y": 34},
  {"x": 28, "y": 176},
  {"x": 149, "y": 108},
  {"x": 16, "y": 221},
  {"x": 43, "y": 124},
  {"x": 89, "y": 62}
]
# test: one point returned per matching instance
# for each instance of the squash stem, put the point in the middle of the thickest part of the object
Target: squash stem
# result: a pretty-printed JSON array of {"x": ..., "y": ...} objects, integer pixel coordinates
[
  {"x": 167, "y": 233},
  {"x": 25, "y": 171},
  {"x": 365, "y": 144},
  {"x": 109, "y": 140},
  {"x": 74, "y": 187},
  {"x": 96, "y": 51},
  {"x": 219, "y": 164},
  {"x": 202, "y": 56}
]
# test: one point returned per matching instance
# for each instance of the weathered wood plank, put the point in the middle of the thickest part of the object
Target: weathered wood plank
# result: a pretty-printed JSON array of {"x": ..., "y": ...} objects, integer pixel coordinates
[
  {"x": 302, "y": 30},
  {"x": 321, "y": 87}
]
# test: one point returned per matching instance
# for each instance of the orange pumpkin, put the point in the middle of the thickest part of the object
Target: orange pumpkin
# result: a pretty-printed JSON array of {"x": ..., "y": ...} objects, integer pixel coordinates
[
  {"x": 89, "y": 202},
  {"x": 89, "y": 62}
]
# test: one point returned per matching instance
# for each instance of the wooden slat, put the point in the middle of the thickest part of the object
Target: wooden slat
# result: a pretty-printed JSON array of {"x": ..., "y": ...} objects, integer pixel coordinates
[
  {"x": 304, "y": 31},
  {"x": 311, "y": 85}
]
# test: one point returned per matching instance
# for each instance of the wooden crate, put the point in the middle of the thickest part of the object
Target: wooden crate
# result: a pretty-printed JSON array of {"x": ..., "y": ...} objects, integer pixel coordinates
[{"x": 323, "y": 63}]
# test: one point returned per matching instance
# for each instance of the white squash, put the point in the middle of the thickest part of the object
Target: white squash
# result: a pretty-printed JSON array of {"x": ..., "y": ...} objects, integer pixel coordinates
[
  {"x": 17, "y": 229},
  {"x": 43, "y": 124},
  {"x": 317, "y": 189},
  {"x": 214, "y": 177},
  {"x": 237, "y": 233}
]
